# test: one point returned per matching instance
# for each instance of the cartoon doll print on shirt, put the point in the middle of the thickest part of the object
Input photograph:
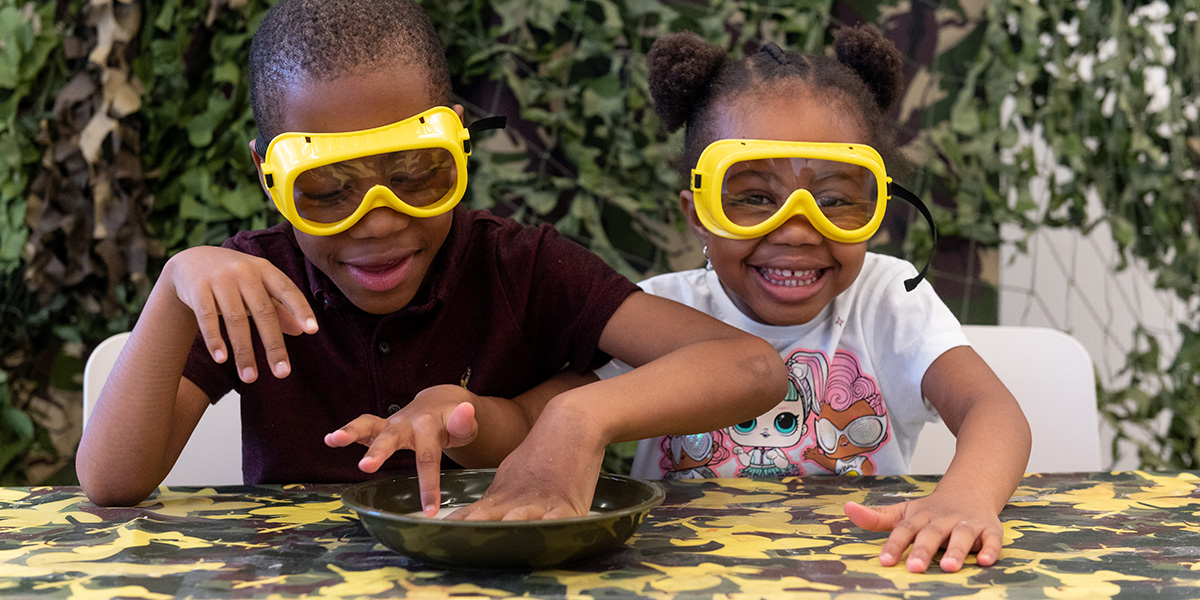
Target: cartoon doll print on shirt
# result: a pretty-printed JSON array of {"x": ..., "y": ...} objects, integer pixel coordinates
[
  {"x": 851, "y": 421},
  {"x": 688, "y": 456},
  {"x": 760, "y": 444}
]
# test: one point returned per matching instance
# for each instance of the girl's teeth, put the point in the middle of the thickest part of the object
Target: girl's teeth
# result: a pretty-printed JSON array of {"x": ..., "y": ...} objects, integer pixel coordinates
[{"x": 790, "y": 278}]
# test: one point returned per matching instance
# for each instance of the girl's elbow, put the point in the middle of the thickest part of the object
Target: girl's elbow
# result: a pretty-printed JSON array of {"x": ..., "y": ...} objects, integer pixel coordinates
[
  {"x": 766, "y": 368},
  {"x": 1025, "y": 437}
]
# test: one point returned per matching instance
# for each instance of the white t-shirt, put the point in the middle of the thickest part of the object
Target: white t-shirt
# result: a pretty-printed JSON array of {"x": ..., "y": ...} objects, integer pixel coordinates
[{"x": 854, "y": 402}]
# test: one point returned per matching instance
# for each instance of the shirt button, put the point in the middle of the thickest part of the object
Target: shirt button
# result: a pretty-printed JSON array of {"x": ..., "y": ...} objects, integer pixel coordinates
[
  {"x": 384, "y": 347},
  {"x": 393, "y": 409}
]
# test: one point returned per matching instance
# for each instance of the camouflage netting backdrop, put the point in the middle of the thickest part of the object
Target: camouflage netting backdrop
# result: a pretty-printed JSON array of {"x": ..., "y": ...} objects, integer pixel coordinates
[{"x": 123, "y": 129}]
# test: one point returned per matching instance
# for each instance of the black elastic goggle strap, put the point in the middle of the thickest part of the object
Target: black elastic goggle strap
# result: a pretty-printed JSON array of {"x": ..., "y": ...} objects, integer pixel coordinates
[
  {"x": 484, "y": 124},
  {"x": 896, "y": 190},
  {"x": 260, "y": 145}
]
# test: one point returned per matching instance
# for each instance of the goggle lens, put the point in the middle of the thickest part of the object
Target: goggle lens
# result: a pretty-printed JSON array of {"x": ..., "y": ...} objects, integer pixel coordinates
[
  {"x": 752, "y": 191},
  {"x": 419, "y": 177}
]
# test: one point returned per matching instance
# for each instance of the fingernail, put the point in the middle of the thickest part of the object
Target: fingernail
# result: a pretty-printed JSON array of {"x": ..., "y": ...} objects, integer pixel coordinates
[
  {"x": 885, "y": 556},
  {"x": 219, "y": 356},
  {"x": 310, "y": 325},
  {"x": 431, "y": 509},
  {"x": 248, "y": 374},
  {"x": 281, "y": 369}
]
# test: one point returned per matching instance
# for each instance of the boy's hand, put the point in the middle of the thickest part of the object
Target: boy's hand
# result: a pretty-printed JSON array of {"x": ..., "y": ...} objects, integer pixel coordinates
[
  {"x": 222, "y": 284},
  {"x": 961, "y": 525},
  {"x": 438, "y": 417}
]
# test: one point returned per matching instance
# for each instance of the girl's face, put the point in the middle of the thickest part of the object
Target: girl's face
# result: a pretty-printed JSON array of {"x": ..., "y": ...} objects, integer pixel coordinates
[
  {"x": 379, "y": 262},
  {"x": 789, "y": 275}
]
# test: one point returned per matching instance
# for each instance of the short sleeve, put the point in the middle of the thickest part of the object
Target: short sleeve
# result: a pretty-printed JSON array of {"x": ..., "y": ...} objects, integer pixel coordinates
[{"x": 911, "y": 330}]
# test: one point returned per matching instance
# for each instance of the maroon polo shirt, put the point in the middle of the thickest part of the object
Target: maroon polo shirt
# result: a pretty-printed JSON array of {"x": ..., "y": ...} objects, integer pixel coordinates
[{"x": 502, "y": 308}]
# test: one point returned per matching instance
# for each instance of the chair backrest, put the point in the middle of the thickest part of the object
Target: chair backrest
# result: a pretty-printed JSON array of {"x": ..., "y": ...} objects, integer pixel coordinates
[
  {"x": 213, "y": 455},
  {"x": 1053, "y": 378}
]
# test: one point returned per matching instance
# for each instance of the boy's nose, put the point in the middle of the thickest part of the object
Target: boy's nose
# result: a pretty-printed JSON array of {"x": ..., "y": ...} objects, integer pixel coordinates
[
  {"x": 380, "y": 222},
  {"x": 796, "y": 231}
]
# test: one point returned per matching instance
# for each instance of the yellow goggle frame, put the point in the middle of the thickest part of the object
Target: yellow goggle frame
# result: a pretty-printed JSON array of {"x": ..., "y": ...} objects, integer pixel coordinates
[
  {"x": 709, "y": 175},
  {"x": 292, "y": 153}
]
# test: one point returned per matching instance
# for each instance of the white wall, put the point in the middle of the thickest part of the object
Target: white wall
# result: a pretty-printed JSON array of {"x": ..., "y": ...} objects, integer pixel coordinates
[{"x": 1067, "y": 281}]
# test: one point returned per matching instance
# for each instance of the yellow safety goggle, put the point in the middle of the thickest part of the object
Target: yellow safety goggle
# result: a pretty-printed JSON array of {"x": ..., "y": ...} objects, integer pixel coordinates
[
  {"x": 745, "y": 189},
  {"x": 323, "y": 183}
]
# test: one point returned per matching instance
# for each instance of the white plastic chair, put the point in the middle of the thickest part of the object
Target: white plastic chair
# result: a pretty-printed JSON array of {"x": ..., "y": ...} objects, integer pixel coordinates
[
  {"x": 212, "y": 456},
  {"x": 1053, "y": 378}
]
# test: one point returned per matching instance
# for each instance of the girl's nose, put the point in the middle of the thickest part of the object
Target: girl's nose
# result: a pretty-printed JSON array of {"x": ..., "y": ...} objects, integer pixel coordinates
[{"x": 796, "y": 231}]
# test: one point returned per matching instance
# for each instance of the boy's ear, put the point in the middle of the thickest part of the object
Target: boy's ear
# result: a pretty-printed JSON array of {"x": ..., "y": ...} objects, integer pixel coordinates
[
  {"x": 258, "y": 167},
  {"x": 688, "y": 203},
  {"x": 458, "y": 108}
]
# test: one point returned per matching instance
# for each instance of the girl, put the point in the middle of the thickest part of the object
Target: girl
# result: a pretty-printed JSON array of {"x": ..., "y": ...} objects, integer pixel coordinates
[{"x": 786, "y": 187}]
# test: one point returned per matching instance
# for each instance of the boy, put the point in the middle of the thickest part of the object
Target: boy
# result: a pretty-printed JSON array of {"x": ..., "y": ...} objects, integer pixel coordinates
[{"x": 411, "y": 319}]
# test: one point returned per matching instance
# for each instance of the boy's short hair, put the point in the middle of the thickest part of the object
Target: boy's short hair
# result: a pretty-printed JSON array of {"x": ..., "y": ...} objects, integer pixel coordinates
[{"x": 327, "y": 39}]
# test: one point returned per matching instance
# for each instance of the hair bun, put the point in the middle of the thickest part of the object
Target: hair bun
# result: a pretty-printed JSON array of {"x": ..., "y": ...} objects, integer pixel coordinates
[
  {"x": 875, "y": 59},
  {"x": 681, "y": 67}
]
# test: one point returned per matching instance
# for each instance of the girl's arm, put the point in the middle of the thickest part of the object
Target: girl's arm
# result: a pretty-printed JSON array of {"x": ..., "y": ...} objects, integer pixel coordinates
[
  {"x": 691, "y": 374},
  {"x": 991, "y": 452}
]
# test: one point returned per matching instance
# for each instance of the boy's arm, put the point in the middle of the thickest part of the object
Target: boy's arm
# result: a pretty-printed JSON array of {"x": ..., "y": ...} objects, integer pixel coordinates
[
  {"x": 991, "y": 452},
  {"x": 692, "y": 374},
  {"x": 147, "y": 410},
  {"x": 445, "y": 419}
]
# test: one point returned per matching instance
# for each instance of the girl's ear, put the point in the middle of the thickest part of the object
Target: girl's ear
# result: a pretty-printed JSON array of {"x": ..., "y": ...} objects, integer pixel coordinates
[
  {"x": 688, "y": 203},
  {"x": 458, "y": 108}
]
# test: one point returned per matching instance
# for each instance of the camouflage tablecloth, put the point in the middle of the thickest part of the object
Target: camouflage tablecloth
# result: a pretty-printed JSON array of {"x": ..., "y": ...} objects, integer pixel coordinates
[{"x": 1098, "y": 535}]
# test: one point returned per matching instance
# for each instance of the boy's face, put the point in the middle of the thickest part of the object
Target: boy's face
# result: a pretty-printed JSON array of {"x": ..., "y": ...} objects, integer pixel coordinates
[{"x": 379, "y": 262}]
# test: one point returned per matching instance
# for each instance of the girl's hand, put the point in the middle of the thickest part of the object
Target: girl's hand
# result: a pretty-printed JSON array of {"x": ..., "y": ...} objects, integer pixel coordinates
[
  {"x": 439, "y": 417},
  {"x": 551, "y": 475},
  {"x": 959, "y": 524},
  {"x": 222, "y": 284}
]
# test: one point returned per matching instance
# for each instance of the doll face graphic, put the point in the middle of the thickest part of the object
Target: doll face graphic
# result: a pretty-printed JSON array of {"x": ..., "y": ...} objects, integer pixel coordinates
[
  {"x": 691, "y": 451},
  {"x": 779, "y": 427},
  {"x": 850, "y": 432}
]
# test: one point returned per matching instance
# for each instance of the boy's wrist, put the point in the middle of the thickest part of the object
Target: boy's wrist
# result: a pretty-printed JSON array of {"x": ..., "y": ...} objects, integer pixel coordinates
[{"x": 165, "y": 301}]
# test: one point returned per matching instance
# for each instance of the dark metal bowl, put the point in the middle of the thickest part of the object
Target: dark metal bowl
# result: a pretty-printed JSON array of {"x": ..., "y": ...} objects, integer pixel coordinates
[{"x": 386, "y": 506}]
